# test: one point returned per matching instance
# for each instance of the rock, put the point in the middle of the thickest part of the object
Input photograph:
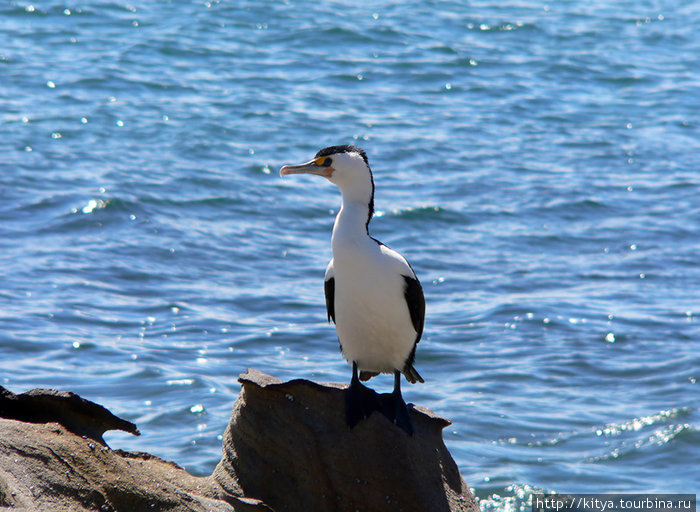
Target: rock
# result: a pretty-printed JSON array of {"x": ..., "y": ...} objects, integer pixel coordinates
[
  {"x": 80, "y": 416},
  {"x": 288, "y": 444},
  {"x": 53, "y": 457},
  {"x": 47, "y": 467},
  {"x": 286, "y": 448}
]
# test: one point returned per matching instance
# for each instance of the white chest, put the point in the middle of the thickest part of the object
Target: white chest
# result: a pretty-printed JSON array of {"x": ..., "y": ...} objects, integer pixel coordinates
[{"x": 371, "y": 314}]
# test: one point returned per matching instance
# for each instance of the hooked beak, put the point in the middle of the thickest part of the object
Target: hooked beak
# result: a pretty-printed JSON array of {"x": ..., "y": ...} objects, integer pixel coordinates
[{"x": 311, "y": 167}]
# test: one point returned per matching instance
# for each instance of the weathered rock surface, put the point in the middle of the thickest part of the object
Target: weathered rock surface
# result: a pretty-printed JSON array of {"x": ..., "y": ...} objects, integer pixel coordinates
[
  {"x": 288, "y": 445},
  {"x": 286, "y": 448},
  {"x": 81, "y": 417},
  {"x": 53, "y": 458}
]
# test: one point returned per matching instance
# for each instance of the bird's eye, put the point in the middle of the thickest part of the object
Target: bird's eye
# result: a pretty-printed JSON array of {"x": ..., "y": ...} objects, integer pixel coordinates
[{"x": 327, "y": 162}]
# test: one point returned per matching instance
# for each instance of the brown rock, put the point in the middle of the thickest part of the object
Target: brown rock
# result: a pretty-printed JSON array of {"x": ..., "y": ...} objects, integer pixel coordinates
[
  {"x": 286, "y": 448},
  {"x": 45, "y": 467},
  {"x": 80, "y": 416},
  {"x": 288, "y": 444},
  {"x": 53, "y": 458}
]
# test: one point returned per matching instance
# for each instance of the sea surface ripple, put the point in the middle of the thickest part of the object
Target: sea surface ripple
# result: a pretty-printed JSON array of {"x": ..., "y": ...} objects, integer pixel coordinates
[{"x": 537, "y": 162}]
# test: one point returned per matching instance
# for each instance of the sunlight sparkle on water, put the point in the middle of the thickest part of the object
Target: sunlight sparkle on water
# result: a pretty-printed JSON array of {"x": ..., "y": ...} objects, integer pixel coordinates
[{"x": 92, "y": 205}]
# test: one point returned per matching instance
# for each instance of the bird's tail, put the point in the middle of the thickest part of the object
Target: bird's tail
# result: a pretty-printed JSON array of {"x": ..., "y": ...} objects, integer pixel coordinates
[{"x": 412, "y": 374}]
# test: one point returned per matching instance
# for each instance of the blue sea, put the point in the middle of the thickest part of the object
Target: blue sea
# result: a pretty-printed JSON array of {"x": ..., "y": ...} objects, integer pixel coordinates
[{"x": 538, "y": 163}]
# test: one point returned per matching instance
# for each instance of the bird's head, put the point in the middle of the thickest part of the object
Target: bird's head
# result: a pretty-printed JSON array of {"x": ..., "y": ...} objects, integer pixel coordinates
[
  {"x": 345, "y": 166},
  {"x": 348, "y": 168}
]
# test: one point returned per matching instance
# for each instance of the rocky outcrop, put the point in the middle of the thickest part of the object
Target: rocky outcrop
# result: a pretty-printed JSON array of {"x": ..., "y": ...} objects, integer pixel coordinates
[
  {"x": 286, "y": 448},
  {"x": 79, "y": 416},
  {"x": 288, "y": 445},
  {"x": 53, "y": 458}
]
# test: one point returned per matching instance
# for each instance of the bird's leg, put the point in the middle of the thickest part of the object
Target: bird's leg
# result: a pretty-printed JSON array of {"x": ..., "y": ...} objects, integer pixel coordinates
[
  {"x": 401, "y": 418},
  {"x": 360, "y": 401}
]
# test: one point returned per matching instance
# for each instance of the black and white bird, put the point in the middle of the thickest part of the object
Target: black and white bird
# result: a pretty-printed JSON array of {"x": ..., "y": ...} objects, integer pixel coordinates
[{"x": 372, "y": 294}]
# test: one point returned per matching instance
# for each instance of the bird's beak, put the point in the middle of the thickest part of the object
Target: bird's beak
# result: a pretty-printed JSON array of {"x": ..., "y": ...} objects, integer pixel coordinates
[{"x": 313, "y": 167}]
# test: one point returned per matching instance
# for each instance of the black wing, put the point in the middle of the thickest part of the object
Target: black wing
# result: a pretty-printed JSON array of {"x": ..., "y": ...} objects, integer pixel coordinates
[
  {"x": 416, "y": 304},
  {"x": 416, "y": 307},
  {"x": 329, "y": 288}
]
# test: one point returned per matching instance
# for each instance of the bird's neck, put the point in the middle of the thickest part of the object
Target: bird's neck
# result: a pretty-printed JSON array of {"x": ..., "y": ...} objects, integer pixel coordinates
[{"x": 351, "y": 225}]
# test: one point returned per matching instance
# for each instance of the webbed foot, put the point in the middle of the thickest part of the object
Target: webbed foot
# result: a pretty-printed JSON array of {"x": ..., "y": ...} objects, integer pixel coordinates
[
  {"x": 395, "y": 409},
  {"x": 360, "y": 401},
  {"x": 402, "y": 418}
]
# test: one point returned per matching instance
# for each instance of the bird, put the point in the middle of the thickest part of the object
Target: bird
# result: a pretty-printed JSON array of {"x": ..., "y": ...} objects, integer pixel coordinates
[{"x": 373, "y": 295}]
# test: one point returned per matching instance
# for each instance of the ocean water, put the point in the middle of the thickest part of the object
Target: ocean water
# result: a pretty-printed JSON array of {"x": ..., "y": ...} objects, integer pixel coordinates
[{"x": 537, "y": 162}]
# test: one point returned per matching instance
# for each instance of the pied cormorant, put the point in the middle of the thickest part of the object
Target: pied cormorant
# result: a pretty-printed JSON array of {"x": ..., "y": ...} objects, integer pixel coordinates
[{"x": 372, "y": 294}]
